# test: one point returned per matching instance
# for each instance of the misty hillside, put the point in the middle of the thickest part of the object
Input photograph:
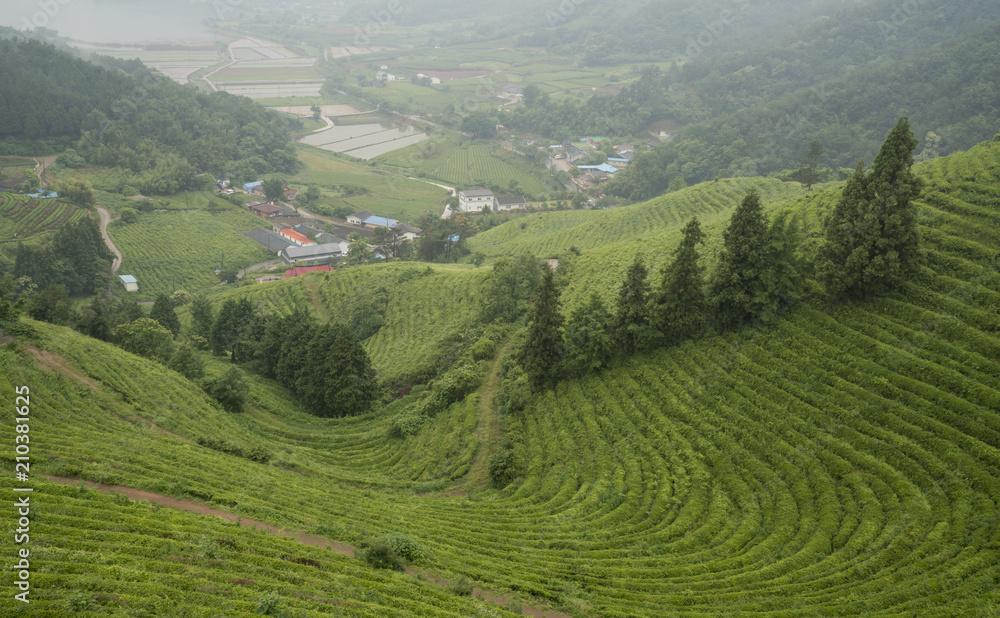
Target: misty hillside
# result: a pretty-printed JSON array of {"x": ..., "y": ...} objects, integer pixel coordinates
[{"x": 475, "y": 310}]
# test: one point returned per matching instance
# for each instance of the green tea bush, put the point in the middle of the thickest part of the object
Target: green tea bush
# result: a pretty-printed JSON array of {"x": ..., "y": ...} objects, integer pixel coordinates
[
  {"x": 406, "y": 547},
  {"x": 381, "y": 555},
  {"x": 406, "y": 424}
]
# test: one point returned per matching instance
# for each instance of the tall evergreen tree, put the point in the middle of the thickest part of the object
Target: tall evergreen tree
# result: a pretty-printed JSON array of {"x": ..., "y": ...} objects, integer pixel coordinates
[
  {"x": 338, "y": 378},
  {"x": 543, "y": 350},
  {"x": 202, "y": 317},
  {"x": 743, "y": 287},
  {"x": 588, "y": 341},
  {"x": 228, "y": 328},
  {"x": 678, "y": 309},
  {"x": 808, "y": 170},
  {"x": 163, "y": 312},
  {"x": 872, "y": 243},
  {"x": 630, "y": 323}
]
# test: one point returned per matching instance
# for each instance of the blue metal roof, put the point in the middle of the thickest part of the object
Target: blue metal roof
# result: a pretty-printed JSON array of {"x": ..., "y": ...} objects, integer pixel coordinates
[
  {"x": 604, "y": 167},
  {"x": 248, "y": 187},
  {"x": 618, "y": 159},
  {"x": 127, "y": 279},
  {"x": 43, "y": 194},
  {"x": 381, "y": 221}
]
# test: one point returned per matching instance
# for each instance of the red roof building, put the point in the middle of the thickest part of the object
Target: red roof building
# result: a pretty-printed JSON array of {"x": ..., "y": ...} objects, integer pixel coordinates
[
  {"x": 299, "y": 239},
  {"x": 295, "y": 271}
]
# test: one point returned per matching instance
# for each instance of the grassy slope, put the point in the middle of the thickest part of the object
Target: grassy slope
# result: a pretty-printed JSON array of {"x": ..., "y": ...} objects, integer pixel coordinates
[
  {"x": 449, "y": 158},
  {"x": 388, "y": 195},
  {"x": 841, "y": 461}
]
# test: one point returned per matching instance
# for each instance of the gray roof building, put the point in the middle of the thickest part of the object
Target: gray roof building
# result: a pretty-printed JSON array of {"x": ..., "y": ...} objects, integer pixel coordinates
[
  {"x": 315, "y": 253},
  {"x": 267, "y": 239}
]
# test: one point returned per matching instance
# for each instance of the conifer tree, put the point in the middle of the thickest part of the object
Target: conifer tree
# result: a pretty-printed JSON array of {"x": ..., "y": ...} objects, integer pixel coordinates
[
  {"x": 230, "y": 324},
  {"x": 872, "y": 243},
  {"x": 743, "y": 288},
  {"x": 630, "y": 323},
  {"x": 337, "y": 378},
  {"x": 163, "y": 312},
  {"x": 678, "y": 308},
  {"x": 543, "y": 350},
  {"x": 202, "y": 317},
  {"x": 588, "y": 342}
]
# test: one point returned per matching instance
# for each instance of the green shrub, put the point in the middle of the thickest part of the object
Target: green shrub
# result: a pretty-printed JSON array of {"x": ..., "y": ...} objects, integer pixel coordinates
[
  {"x": 463, "y": 587},
  {"x": 406, "y": 424},
  {"x": 504, "y": 467},
  {"x": 81, "y": 602},
  {"x": 207, "y": 548},
  {"x": 269, "y": 604},
  {"x": 483, "y": 349},
  {"x": 381, "y": 555},
  {"x": 406, "y": 547}
]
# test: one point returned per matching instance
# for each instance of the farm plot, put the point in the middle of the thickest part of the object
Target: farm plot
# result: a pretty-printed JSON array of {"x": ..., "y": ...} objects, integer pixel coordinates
[
  {"x": 347, "y": 51},
  {"x": 168, "y": 251},
  {"x": 12, "y": 170},
  {"x": 330, "y": 111},
  {"x": 177, "y": 63},
  {"x": 478, "y": 166},
  {"x": 256, "y": 49},
  {"x": 267, "y": 70},
  {"x": 23, "y": 217},
  {"x": 365, "y": 141},
  {"x": 272, "y": 89}
]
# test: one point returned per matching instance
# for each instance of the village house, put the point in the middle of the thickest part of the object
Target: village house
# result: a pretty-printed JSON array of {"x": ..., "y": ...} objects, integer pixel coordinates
[
  {"x": 299, "y": 239},
  {"x": 377, "y": 221},
  {"x": 407, "y": 231},
  {"x": 474, "y": 200},
  {"x": 319, "y": 235},
  {"x": 358, "y": 218},
  {"x": 504, "y": 204},
  {"x": 266, "y": 210},
  {"x": 268, "y": 239},
  {"x": 292, "y": 256},
  {"x": 256, "y": 186}
]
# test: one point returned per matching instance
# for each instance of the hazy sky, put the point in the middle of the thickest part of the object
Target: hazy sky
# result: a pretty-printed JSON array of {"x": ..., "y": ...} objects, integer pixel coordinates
[{"x": 112, "y": 21}]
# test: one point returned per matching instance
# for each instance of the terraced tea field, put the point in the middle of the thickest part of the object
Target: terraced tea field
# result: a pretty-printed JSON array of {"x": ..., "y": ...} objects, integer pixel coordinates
[
  {"x": 843, "y": 461},
  {"x": 24, "y": 218},
  {"x": 168, "y": 251}
]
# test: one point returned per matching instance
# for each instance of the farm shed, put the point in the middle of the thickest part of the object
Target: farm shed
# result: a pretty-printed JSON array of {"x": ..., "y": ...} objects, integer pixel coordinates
[{"x": 130, "y": 283}]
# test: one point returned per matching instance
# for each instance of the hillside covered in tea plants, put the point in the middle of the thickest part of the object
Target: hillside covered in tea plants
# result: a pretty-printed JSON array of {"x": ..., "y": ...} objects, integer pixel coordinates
[{"x": 844, "y": 459}]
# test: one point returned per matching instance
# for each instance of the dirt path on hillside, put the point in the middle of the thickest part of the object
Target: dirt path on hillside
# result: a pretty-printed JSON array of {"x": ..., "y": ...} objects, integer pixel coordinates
[
  {"x": 488, "y": 429},
  {"x": 42, "y": 164},
  {"x": 301, "y": 537},
  {"x": 105, "y": 219}
]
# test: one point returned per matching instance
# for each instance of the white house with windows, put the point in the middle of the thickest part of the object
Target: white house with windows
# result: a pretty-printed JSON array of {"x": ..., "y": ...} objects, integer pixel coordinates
[
  {"x": 510, "y": 203},
  {"x": 474, "y": 200}
]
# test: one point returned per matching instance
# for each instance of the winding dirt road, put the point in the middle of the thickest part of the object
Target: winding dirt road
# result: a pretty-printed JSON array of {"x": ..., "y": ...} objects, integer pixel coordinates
[{"x": 105, "y": 219}]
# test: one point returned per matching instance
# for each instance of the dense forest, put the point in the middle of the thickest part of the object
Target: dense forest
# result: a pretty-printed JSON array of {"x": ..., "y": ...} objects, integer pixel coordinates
[
  {"x": 160, "y": 134},
  {"x": 948, "y": 91}
]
